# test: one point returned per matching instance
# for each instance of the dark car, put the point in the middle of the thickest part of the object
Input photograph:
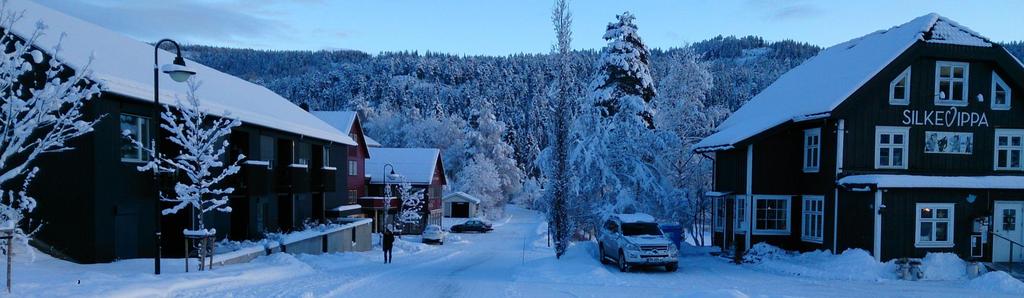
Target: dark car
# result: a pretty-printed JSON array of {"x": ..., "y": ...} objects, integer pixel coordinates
[{"x": 472, "y": 225}]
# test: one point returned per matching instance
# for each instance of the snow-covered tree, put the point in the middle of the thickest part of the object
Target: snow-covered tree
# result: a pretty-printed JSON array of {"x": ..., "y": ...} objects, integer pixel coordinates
[
  {"x": 36, "y": 117},
  {"x": 412, "y": 203},
  {"x": 492, "y": 172},
  {"x": 557, "y": 166},
  {"x": 614, "y": 143},
  {"x": 203, "y": 143},
  {"x": 682, "y": 120}
]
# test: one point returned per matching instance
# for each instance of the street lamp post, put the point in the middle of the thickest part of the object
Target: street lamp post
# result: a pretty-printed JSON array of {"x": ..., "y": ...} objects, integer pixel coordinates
[
  {"x": 179, "y": 73},
  {"x": 387, "y": 192}
]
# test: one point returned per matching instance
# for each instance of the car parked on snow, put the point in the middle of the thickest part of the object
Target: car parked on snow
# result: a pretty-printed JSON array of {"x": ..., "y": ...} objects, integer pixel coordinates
[
  {"x": 472, "y": 225},
  {"x": 433, "y": 234},
  {"x": 632, "y": 240}
]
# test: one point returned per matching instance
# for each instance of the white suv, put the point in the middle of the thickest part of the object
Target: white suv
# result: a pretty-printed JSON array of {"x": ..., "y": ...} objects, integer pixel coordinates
[{"x": 636, "y": 240}]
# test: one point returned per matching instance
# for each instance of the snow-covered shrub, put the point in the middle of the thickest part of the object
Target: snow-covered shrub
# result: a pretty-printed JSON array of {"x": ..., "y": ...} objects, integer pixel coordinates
[
  {"x": 763, "y": 251},
  {"x": 943, "y": 266},
  {"x": 999, "y": 281},
  {"x": 38, "y": 117}
]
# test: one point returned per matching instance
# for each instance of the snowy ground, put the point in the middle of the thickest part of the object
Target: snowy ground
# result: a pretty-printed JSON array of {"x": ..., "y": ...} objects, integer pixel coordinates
[{"x": 512, "y": 261}]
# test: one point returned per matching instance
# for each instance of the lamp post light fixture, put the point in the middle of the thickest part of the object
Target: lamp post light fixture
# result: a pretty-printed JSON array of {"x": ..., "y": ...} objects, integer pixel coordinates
[{"x": 179, "y": 73}]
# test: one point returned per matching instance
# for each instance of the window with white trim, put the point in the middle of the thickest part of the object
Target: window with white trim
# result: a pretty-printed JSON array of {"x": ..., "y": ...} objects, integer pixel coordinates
[
  {"x": 1000, "y": 93},
  {"x": 812, "y": 221},
  {"x": 934, "y": 225},
  {"x": 739, "y": 218},
  {"x": 136, "y": 129},
  {"x": 1008, "y": 149},
  {"x": 771, "y": 215},
  {"x": 899, "y": 89},
  {"x": 891, "y": 147},
  {"x": 951, "y": 83},
  {"x": 720, "y": 203},
  {"x": 327, "y": 156},
  {"x": 812, "y": 150},
  {"x": 353, "y": 168}
]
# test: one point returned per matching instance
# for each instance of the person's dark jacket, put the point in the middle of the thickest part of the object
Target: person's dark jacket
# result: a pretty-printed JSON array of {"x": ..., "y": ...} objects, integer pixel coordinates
[{"x": 389, "y": 239}]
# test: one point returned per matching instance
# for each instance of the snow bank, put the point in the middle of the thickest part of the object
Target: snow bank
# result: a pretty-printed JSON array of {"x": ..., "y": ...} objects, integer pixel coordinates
[
  {"x": 997, "y": 281},
  {"x": 763, "y": 251},
  {"x": 943, "y": 266},
  {"x": 852, "y": 264}
]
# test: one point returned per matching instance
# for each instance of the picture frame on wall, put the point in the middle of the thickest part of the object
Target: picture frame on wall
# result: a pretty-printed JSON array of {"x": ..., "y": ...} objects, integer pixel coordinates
[{"x": 948, "y": 142}]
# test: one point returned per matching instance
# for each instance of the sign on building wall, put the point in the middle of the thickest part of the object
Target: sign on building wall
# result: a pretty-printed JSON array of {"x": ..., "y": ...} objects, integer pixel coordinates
[
  {"x": 947, "y": 118},
  {"x": 948, "y": 142}
]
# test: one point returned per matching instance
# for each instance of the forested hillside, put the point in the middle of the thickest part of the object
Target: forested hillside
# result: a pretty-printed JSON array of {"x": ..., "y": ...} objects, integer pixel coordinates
[{"x": 497, "y": 107}]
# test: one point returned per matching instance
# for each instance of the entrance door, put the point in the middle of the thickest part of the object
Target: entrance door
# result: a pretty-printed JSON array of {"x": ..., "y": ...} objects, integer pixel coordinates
[
  {"x": 460, "y": 209},
  {"x": 1007, "y": 223}
]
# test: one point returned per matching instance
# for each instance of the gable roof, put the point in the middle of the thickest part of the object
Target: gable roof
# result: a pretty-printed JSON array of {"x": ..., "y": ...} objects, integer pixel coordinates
[
  {"x": 341, "y": 120},
  {"x": 817, "y": 86},
  {"x": 417, "y": 165},
  {"x": 462, "y": 195},
  {"x": 370, "y": 142},
  {"x": 124, "y": 66}
]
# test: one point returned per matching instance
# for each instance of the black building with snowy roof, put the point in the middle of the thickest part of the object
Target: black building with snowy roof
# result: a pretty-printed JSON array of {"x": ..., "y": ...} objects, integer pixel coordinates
[
  {"x": 95, "y": 206},
  {"x": 900, "y": 142}
]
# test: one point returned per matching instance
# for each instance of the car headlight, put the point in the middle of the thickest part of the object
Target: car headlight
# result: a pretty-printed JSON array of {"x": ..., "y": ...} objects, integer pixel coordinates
[{"x": 632, "y": 247}]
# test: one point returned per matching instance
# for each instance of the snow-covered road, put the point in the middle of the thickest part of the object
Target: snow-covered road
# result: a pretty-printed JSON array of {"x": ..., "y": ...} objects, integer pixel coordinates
[{"x": 511, "y": 261}]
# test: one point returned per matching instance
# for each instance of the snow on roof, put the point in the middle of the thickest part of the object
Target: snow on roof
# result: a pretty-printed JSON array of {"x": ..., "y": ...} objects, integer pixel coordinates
[
  {"x": 917, "y": 181},
  {"x": 342, "y": 120},
  {"x": 634, "y": 218},
  {"x": 416, "y": 165},
  {"x": 823, "y": 82},
  {"x": 125, "y": 66},
  {"x": 462, "y": 195},
  {"x": 370, "y": 142}
]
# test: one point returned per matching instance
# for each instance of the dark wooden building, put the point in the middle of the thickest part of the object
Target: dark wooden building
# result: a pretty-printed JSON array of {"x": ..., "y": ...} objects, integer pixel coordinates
[
  {"x": 420, "y": 167},
  {"x": 356, "y": 177},
  {"x": 95, "y": 206},
  {"x": 901, "y": 142}
]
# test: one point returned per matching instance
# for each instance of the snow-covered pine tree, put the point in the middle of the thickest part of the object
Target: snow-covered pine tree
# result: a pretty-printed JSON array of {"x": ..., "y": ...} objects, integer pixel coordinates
[
  {"x": 557, "y": 191},
  {"x": 201, "y": 159},
  {"x": 35, "y": 118},
  {"x": 614, "y": 144}
]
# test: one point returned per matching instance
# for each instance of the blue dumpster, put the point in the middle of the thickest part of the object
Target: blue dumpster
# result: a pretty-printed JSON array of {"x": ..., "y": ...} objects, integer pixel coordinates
[{"x": 674, "y": 232}]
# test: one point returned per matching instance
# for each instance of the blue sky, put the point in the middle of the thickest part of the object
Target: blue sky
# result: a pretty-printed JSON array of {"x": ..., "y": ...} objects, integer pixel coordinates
[{"x": 522, "y": 26}]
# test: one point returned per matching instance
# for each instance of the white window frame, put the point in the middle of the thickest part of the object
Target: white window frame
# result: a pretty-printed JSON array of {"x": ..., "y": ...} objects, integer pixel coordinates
[
  {"x": 1009, "y": 147},
  {"x": 939, "y": 101},
  {"x": 327, "y": 156},
  {"x": 998, "y": 81},
  {"x": 142, "y": 125},
  {"x": 905, "y": 75},
  {"x": 892, "y": 130},
  {"x": 812, "y": 230},
  {"x": 950, "y": 228},
  {"x": 788, "y": 221},
  {"x": 739, "y": 214},
  {"x": 719, "y": 204},
  {"x": 812, "y": 152},
  {"x": 353, "y": 168}
]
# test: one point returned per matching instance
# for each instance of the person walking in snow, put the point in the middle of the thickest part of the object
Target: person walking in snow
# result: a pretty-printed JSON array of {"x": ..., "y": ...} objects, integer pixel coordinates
[{"x": 388, "y": 243}]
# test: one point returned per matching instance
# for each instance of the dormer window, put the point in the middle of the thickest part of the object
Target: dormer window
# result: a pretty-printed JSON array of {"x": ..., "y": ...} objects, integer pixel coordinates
[
  {"x": 951, "y": 83},
  {"x": 899, "y": 89},
  {"x": 1000, "y": 93}
]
